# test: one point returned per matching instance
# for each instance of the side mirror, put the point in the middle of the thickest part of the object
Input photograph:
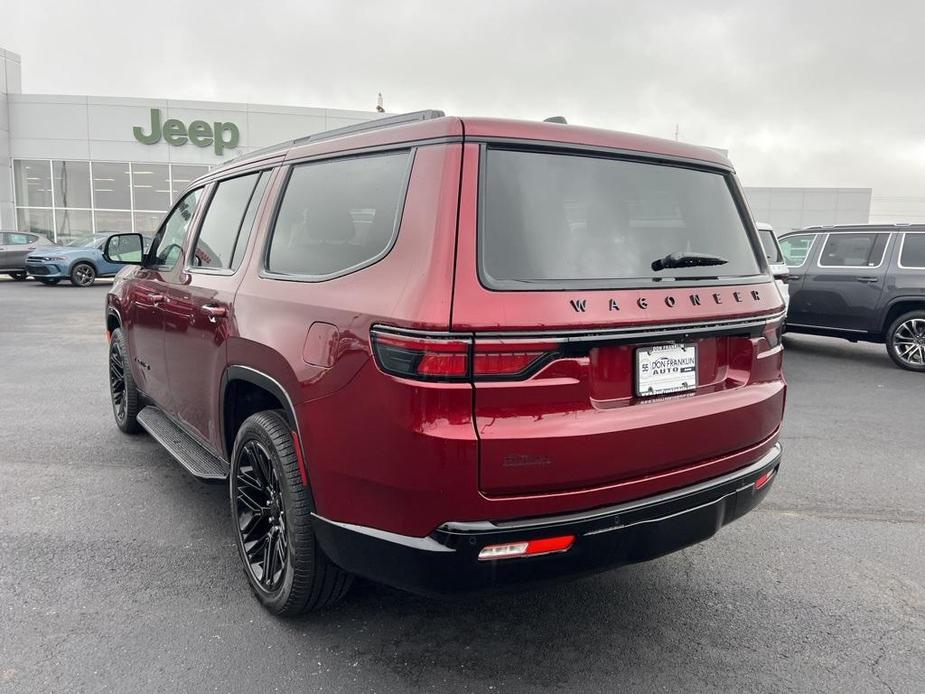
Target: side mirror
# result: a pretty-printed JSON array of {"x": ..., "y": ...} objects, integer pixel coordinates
[
  {"x": 781, "y": 274},
  {"x": 127, "y": 249}
]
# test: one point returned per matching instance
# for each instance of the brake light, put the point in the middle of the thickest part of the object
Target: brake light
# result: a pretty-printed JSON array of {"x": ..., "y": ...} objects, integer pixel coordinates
[
  {"x": 455, "y": 357},
  {"x": 528, "y": 548}
]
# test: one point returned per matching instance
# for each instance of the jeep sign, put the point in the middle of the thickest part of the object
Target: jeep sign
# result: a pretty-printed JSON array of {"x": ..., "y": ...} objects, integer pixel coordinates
[{"x": 221, "y": 135}]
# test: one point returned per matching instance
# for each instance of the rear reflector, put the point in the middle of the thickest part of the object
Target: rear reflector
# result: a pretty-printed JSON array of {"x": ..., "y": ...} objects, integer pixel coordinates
[
  {"x": 529, "y": 548},
  {"x": 764, "y": 478}
]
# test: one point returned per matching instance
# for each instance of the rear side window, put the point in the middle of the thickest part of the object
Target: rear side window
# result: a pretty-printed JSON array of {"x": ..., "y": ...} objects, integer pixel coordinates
[
  {"x": 338, "y": 215},
  {"x": 15, "y": 239},
  {"x": 853, "y": 250},
  {"x": 913, "y": 253},
  {"x": 796, "y": 248},
  {"x": 769, "y": 243},
  {"x": 560, "y": 220},
  {"x": 223, "y": 223}
]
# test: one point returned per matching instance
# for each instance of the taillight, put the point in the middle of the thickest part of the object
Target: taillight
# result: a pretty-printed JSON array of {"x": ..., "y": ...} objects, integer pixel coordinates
[
  {"x": 457, "y": 357},
  {"x": 772, "y": 332},
  {"x": 527, "y": 548}
]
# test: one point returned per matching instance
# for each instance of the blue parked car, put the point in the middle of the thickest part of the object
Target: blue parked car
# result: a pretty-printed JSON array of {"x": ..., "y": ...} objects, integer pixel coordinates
[{"x": 80, "y": 261}]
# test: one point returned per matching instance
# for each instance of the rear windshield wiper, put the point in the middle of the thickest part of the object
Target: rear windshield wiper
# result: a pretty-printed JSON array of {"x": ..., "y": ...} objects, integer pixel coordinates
[{"x": 687, "y": 259}]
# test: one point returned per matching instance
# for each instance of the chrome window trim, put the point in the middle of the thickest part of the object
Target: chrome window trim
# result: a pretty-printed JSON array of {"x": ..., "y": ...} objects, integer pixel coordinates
[
  {"x": 902, "y": 244},
  {"x": 809, "y": 250},
  {"x": 883, "y": 254}
]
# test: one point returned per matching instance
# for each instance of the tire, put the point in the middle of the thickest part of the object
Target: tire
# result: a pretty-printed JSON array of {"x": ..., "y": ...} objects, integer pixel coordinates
[
  {"x": 49, "y": 282},
  {"x": 278, "y": 540},
  {"x": 126, "y": 401},
  {"x": 905, "y": 341},
  {"x": 83, "y": 275},
  {"x": 18, "y": 276}
]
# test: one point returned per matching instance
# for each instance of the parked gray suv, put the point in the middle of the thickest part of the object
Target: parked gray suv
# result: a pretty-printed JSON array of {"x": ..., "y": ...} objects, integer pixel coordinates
[{"x": 860, "y": 282}]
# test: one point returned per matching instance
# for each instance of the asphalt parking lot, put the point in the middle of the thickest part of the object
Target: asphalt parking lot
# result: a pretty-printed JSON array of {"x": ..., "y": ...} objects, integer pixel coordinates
[{"x": 118, "y": 571}]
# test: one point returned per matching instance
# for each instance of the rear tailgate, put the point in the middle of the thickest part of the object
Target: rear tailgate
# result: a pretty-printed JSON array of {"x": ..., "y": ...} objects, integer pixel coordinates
[{"x": 581, "y": 386}]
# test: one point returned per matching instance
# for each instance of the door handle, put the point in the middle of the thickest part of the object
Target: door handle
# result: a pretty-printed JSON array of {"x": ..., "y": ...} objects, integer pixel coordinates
[
  {"x": 794, "y": 278},
  {"x": 156, "y": 298},
  {"x": 867, "y": 280},
  {"x": 214, "y": 312}
]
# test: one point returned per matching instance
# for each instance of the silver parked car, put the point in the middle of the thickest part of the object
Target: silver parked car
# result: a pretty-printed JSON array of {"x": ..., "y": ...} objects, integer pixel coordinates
[{"x": 14, "y": 247}]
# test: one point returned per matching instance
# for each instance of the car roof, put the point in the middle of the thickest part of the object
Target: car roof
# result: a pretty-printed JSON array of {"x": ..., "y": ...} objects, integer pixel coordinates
[
  {"x": 895, "y": 226},
  {"x": 433, "y": 126}
]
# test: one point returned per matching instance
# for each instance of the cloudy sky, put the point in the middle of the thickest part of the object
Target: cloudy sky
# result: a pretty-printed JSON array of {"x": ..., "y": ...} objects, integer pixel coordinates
[{"x": 800, "y": 93}]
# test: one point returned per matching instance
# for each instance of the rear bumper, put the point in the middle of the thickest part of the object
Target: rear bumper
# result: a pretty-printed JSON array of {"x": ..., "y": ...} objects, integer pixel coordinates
[{"x": 447, "y": 561}]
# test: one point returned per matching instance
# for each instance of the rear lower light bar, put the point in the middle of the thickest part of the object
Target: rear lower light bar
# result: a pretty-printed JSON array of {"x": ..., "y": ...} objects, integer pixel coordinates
[
  {"x": 442, "y": 357},
  {"x": 527, "y": 548}
]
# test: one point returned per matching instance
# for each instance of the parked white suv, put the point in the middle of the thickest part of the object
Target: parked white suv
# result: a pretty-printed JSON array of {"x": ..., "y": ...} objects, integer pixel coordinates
[{"x": 775, "y": 258}]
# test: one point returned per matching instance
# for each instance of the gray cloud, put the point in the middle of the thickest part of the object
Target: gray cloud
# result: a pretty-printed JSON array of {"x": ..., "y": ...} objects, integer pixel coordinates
[{"x": 801, "y": 93}]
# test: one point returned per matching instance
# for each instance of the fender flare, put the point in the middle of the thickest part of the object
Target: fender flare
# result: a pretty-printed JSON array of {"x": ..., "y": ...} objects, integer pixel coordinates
[
  {"x": 911, "y": 298},
  {"x": 239, "y": 372}
]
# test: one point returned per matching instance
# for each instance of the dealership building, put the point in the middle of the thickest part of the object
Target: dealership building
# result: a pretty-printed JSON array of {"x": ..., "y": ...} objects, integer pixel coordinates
[{"x": 74, "y": 165}]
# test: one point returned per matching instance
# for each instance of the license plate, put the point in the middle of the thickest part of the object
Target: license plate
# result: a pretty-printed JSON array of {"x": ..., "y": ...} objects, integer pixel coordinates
[{"x": 664, "y": 369}]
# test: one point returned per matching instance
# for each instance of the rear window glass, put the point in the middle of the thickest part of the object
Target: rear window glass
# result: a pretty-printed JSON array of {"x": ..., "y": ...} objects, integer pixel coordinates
[
  {"x": 913, "y": 254},
  {"x": 338, "y": 215},
  {"x": 769, "y": 243},
  {"x": 853, "y": 250},
  {"x": 562, "y": 219},
  {"x": 796, "y": 248}
]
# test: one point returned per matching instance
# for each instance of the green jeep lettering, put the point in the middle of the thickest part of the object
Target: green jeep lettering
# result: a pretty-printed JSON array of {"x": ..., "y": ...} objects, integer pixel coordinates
[
  {"x": 221, "y": 135},
  {"x": 233, "y": 136},
  {"x": 155, "y": 135}
]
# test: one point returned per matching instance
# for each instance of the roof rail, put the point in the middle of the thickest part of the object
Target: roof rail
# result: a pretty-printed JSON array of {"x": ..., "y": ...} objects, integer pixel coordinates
[
  {"x": 365, "y": 126},
  {"x": 374, "y": 124}
]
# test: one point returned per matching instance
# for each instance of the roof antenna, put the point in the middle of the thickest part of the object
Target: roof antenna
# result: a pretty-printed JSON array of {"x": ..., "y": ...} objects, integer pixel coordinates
[
  {"x": 556, "y": 119},
  {"x": 379, "y": 107}
]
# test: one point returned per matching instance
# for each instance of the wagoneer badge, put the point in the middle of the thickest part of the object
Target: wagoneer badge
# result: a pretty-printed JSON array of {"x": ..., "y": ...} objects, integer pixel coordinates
[{"x": 580, "y": 305}]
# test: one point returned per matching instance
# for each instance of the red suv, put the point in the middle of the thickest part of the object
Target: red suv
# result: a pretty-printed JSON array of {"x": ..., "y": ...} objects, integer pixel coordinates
[{"x": 451, "y": 353}]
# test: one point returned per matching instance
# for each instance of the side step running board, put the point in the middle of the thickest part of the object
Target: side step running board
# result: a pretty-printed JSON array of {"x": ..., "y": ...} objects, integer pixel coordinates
[{"x": 188, "y": 452}]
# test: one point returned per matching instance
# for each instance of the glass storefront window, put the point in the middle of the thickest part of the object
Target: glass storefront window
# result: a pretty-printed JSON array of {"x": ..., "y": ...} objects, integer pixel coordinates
[
  {"x": 82, "y": 197},
  {"x": 147, "y": 223},
  {"x": 183, "y": 175},
  {"x": 111, "y": 186},
  {"x": 107, "y": 221},
  {"x": 73, "y": 224},
  {"x": 151, "y": 186},
  {"x": 32, "y": 182},
  {"x": 36, "y": 221},
  {"x": 72, "y": 183}
]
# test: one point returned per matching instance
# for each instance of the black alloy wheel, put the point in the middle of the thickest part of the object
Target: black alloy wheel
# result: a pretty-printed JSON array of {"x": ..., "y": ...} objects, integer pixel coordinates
[
  {"x": 261, "y": 516},
  {"x": 125, "y": 399},
  {"x": 271, "y": 510},
  {"x": 18, "y": 276},
  {"x": 83, "y": 275}
]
